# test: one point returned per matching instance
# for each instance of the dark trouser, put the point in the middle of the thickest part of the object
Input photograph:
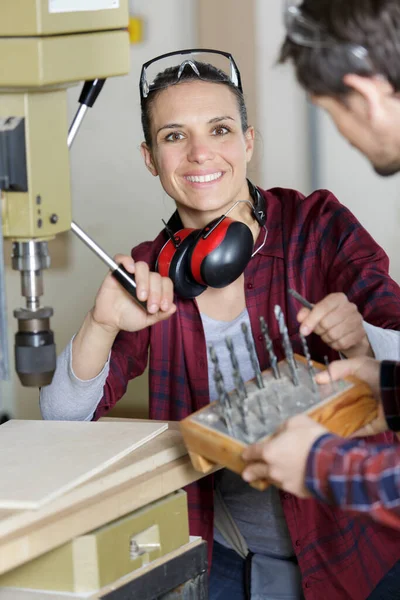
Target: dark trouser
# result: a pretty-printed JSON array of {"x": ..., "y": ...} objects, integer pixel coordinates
[
  {"x": 389, "y": 587},
  {"x": 228, "y": 577}
]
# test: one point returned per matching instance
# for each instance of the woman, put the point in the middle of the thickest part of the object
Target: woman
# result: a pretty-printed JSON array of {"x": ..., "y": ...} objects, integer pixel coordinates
[{"x": 198, "y": 142}]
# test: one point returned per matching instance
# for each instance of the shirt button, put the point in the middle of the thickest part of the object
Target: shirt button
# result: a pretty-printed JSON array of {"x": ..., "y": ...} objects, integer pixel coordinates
[
  {"x": 307, "y": 584},
  {"x": 250, "y": 286},
  {"x": 201, "y": 364},
  {"x": 260, "y": 337},
  {"x": 286, "y": 496},
  {"x": 297, "y": 543}
]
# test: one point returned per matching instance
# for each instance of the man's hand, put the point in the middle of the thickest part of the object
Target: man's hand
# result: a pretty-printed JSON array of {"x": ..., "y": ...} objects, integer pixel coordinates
[
  {"x": 368, "y": 370},
  {"x": 283, "y": 458},
  {"x": 338, "y": 323}
]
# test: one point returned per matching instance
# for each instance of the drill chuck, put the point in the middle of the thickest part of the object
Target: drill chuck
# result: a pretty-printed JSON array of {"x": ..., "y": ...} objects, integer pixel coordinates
[{"x": 35, "y": 350}]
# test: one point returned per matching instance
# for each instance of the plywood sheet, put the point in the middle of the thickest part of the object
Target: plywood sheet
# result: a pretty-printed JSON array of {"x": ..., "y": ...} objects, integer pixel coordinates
[{"x": 41, "y": 460}]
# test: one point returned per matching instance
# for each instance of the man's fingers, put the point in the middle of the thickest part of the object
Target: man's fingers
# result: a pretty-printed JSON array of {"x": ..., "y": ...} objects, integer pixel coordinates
[
  {"x": 256, "y": 470},
  {"x": 338, "y": 369},
  {"x": 254, "y": 452}
]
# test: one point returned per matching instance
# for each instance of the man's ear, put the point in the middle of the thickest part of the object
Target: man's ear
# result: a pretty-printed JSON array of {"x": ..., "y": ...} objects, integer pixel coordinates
[
  {"x": 249, "y": 136},
  {"x": 148, "y": 158},
  {"x": 374, "y": 91}
]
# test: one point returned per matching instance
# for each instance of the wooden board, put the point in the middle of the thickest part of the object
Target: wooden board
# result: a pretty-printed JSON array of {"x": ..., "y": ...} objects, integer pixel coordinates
[
  {"x": 41, "y": 460},
  {"x": 343, "y": 414},
  {"x": 151, "y": 472}
]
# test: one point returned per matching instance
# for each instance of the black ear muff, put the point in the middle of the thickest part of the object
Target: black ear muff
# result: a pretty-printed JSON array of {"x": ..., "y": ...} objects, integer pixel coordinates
[
  {"x": 173, "y": 262},
  {"x": 220, "y": 255}
]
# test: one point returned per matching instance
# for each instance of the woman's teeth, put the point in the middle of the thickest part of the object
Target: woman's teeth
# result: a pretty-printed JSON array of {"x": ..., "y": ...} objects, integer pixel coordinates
[{"x": 203, "y": 178}]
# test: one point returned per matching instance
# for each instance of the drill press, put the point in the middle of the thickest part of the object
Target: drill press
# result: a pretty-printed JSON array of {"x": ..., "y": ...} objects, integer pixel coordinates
[{"x": 45, "y": 47}]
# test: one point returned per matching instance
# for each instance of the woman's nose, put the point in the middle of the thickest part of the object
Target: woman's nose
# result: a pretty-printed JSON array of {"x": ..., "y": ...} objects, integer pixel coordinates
[{"x": 200, "y": 151}]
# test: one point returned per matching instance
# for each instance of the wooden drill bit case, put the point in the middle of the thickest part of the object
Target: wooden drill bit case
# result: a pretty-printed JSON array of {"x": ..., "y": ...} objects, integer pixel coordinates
[{"x": 343, "y": 407}]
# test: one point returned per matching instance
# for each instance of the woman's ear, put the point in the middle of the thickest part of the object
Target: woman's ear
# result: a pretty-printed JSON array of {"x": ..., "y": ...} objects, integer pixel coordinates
[
  {"x": 374, "y": 91},
  {"x": 249, "y": 137},
  {"x": 148, "y": 158}
]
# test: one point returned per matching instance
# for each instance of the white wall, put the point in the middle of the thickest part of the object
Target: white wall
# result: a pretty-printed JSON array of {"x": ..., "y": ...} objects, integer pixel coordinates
[
  {"x": 114, "y": 197},
  {"x": 282, "y": 107}
]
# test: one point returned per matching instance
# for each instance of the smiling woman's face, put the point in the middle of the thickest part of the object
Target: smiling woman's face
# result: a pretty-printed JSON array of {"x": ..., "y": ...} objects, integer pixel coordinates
[{"x": 199, "y": 150}]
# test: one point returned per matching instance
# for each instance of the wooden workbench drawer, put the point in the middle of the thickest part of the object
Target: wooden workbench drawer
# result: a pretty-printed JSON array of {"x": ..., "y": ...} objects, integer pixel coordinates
[{"x": 92, "y": 561}]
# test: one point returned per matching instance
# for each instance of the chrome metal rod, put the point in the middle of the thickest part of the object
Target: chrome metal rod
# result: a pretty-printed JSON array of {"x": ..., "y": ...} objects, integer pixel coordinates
[
  {"x": 93, "y": 246},
  {"x": 76, "y": 123}
]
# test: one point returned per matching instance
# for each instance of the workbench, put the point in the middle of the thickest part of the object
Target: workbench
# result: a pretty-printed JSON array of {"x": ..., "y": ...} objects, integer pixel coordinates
[{"x": 117, "y": 491}]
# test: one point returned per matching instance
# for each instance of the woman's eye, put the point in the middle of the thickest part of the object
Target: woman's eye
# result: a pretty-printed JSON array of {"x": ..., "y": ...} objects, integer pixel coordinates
[
  {"x": 221, "y": 130},
  {"x": 174, "y": 136}
]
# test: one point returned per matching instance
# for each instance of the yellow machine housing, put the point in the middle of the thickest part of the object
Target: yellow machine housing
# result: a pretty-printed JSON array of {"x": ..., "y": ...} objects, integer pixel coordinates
[{"x": 45, "y": 46}]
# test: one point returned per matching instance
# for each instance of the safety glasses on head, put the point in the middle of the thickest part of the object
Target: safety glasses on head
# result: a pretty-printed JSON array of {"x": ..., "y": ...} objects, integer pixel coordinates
[
  {"x": 305, "y": 31},
  {"x": 177, "y": 62}
]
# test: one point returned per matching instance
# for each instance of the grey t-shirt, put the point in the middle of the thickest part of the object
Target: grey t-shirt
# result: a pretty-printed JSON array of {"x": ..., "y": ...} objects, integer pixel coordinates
[{"x": 258, "y": 515}]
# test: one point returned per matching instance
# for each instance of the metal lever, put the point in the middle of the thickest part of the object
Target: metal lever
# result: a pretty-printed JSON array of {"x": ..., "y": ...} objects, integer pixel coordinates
[
  {"x": 90, "y": 91},
  {"x": 119, "y": 272}
]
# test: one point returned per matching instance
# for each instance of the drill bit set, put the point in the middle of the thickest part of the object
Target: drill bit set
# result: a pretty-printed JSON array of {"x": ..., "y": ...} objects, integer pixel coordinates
[{"x": 255, "y": 409}]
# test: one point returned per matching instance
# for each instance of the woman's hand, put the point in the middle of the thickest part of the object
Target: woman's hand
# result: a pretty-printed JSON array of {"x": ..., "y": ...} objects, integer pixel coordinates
[
  {"x": 338, "y": 323},
  {"x": 114, "y": 308}
]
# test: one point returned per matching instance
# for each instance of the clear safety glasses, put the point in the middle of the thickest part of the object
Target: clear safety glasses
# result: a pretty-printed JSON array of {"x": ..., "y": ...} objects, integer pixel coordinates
[
  {"x": 183, "y": 59},
  {"x": 304, "y": 31}
]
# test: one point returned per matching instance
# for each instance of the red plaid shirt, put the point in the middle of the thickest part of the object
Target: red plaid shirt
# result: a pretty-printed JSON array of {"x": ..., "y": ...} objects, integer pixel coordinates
[
  {"x": 357, "y": 476},
  {"x": 316, "y": 246}
]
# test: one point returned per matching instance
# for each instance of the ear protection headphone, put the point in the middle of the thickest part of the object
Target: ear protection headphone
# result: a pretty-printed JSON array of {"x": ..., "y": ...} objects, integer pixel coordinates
[{"x": 214, "y": 256}]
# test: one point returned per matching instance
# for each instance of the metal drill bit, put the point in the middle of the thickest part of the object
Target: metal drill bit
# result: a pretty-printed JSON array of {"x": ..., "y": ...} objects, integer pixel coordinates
[
  {"x": 310, "y": 366},
  {"x": 270, "y": 349},
  {"x": 242, "y": 407},
  {"x": 239, "y": 385},
  {"x": 223, "y": 397},
  {"x": 253, "y": 356},
  {"x": 287, "y": 346},
  {"x": 326, "y": 361},
  {"x": 301, "y": 299},
  {"x": 256, "y": 367}
]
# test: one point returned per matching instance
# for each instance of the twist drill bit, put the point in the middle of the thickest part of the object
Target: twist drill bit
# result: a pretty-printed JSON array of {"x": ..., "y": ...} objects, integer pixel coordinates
[
  {"x": 253, "y": 356},
  {"x": 309, "y": 361},
  {"x": 326, "y": 361},
  {"x": 223, "y": 397},
  {"x": 301, "y": 299},
  {"x": 239, "y": 384},
  {"x": 270, "y": 349},
  {"x": 256, "y": 367},
  {"x": 286, "y": 344}
]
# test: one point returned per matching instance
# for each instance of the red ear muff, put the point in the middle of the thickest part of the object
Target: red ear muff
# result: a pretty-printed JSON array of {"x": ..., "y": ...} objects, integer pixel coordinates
[
  {"x": 173, "y": 262},
  {"x": 219, "y": 256}
]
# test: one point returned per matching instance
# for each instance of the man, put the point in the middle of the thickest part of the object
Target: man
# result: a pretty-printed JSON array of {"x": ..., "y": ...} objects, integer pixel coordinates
[{"x": 346, "y": 55}]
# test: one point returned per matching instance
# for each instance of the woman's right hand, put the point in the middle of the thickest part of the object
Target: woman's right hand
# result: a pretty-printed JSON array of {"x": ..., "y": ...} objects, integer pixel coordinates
[{"x": 115, "y": 309}]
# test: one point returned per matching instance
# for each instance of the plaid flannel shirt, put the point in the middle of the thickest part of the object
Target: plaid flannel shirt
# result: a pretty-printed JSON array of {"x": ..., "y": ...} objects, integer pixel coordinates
[
  {"x": 359, "y": 477},
  {"x": 316, "y": 246}
]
